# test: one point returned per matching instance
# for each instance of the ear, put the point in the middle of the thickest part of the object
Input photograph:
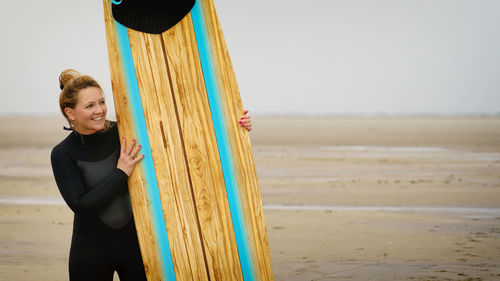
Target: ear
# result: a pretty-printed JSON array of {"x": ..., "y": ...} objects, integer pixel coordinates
[{"x": 69, "y": 113}]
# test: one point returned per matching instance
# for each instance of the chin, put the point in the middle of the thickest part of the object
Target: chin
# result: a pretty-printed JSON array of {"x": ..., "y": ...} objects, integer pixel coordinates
[{"x": 99, "y": 126}]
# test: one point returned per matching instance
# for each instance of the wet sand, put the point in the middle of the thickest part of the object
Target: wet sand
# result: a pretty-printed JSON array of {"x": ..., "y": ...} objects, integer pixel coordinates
[{"x": 346, "y": 198}]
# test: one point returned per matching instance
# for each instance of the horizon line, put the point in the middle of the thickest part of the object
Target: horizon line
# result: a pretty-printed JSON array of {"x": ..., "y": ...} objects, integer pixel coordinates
[{"x": 308, "y": 114}]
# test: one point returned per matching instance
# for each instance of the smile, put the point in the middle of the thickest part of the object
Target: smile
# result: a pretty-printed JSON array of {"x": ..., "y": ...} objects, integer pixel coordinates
[{"x": 97, "y": 118}]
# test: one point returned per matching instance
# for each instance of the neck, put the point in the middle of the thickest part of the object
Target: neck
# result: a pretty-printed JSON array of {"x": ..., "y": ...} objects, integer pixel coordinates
[
  {"x": 90, "y": 132},
  {"x": 87, "y": 132}
]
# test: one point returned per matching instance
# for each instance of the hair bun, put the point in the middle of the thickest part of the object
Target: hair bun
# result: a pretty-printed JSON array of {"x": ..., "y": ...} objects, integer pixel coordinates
[{"x": 66, "y": 76}]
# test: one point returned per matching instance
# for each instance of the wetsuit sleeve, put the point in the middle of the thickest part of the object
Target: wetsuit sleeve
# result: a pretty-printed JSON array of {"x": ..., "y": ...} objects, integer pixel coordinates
[{"x": 69, "y": 182}]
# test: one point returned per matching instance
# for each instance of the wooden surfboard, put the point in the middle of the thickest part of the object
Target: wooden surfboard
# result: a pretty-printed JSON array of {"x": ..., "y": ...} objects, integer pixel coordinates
[{"x": 195, "y": 195}]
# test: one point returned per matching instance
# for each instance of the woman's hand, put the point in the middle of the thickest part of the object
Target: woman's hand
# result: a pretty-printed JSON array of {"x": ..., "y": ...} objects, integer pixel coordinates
[
  {"x": 245, "y": 121},
  {"x": 127, "y": 159}
]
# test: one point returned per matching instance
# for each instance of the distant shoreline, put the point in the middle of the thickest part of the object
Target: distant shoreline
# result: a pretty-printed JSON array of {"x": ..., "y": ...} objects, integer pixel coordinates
[
  {"x": 479, "y": 133},
  {"x": 111, "y": 115}
]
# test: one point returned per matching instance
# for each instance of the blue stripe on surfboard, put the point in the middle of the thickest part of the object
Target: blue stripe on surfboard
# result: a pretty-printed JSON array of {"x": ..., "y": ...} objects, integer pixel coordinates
[
  {"x": 159, "y": 228},
  {"x": 223, "y": 144}
]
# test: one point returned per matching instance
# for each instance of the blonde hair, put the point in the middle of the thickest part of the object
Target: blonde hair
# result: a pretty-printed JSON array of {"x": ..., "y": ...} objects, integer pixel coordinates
[{"x": 71, "y": 82}]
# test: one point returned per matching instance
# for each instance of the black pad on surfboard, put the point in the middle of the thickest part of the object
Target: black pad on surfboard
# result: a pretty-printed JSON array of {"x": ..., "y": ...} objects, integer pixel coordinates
[{"x": 150, "y": 16}]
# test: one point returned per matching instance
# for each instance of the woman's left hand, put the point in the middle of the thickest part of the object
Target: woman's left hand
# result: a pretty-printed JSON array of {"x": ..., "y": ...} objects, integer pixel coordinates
[{"x": 245, "y": 121}]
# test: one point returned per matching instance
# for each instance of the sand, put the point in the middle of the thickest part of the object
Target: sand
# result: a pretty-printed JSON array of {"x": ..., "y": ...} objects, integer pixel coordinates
[{"x": 346, "y": 198}]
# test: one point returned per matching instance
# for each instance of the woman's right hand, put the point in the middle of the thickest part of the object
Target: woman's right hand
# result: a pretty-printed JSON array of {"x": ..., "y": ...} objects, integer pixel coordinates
[{"x": 127, "y": 159}]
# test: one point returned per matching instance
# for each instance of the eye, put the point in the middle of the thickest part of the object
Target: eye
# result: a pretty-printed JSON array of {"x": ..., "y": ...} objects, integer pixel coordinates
[
  {"x": 102, "y": 102},
  {"x": 89, "y": 105}
]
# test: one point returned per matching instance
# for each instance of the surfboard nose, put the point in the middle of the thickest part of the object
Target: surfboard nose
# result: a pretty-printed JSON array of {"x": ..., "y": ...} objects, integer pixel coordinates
[{"x": 150, "y": 16}]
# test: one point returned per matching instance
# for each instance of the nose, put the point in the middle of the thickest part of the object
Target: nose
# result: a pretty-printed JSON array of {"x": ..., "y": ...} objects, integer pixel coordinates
[{"x": 100, "y": 108}]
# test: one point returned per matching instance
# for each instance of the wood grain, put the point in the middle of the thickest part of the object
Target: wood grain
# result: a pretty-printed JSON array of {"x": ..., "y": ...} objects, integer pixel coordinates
[
  {"x": 240, "y": 145},
  {"x": 201, "y": 152},
  {"x": 185, "y": 153},
  {"x": 141, "y": 206},
  {"x": 168, "y": 154}
]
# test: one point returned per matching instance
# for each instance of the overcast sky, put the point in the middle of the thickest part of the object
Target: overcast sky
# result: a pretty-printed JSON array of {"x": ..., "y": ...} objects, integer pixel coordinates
[{"x": 309, "y": 57}]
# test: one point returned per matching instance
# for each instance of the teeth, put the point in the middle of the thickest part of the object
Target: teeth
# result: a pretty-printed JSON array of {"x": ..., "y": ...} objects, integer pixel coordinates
[{"x": 97, "y": 119}]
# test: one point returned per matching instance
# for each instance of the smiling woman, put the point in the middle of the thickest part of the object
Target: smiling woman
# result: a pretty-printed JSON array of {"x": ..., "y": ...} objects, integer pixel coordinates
[
  {"x": 91, "y": 168},
  {"x": 82, "y": 102},
  {"x": 89, "y": 115}
]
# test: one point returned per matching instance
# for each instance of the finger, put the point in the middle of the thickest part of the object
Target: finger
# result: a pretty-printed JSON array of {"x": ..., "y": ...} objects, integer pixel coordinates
[
  {"x": 245, "y": 112},
  {"x": 247, "y": 126},
  {"x": 246, "y": 123},
  {"x": 244, "y": 117},
  {"x": 241, "y": 122},
  {"x": 129, "y": 148},
  {"x": 122, "y": 146},
  {"x": 136, "y": 160},
  {"x": 134, "y": 152}
]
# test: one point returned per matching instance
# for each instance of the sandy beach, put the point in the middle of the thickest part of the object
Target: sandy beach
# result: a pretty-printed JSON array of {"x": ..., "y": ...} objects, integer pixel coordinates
[{"x": 345, "y": 198}]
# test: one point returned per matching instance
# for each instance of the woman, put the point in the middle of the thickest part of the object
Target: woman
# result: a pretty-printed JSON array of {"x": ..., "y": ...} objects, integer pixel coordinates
[{"x": 91, "y": 167}]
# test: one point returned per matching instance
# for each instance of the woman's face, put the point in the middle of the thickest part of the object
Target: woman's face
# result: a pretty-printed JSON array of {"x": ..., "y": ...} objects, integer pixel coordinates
[{"x": 89, "y": 114}]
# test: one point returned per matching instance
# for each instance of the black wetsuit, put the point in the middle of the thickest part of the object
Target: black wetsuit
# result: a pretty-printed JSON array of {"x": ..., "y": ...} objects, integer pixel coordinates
[{"x": 104, "y": 236}]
